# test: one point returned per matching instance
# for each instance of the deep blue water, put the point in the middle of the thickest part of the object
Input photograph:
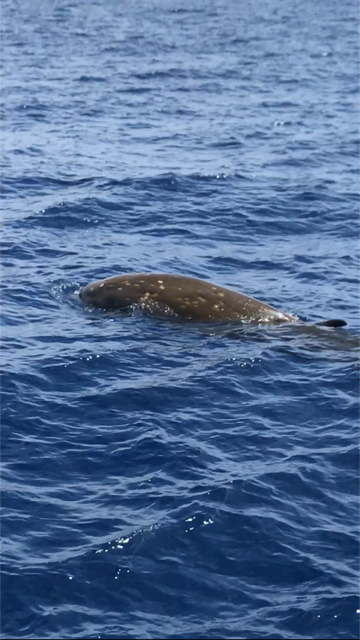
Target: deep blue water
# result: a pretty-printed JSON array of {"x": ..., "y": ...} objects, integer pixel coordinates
[{"x": 164, "y": 479}]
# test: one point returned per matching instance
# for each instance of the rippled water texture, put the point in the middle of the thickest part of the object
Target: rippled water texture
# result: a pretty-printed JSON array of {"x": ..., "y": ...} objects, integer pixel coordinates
[{"x": 166, "y": 479}]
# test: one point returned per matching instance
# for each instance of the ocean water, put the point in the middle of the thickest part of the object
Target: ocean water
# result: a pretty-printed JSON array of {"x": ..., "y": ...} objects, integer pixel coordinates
[{"x": 166, "y": 479}]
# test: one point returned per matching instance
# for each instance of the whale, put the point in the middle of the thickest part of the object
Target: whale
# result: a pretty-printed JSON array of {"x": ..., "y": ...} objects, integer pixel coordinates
[{"x": 186, "y": 298}]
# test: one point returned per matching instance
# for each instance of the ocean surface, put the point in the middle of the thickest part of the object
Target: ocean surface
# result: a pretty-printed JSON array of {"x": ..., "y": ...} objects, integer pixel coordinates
[{"x": 167, "y": 479}]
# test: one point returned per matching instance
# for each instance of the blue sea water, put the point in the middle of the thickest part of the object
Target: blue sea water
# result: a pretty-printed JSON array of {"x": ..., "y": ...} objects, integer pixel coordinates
[{"x": 163, "y": 479}]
